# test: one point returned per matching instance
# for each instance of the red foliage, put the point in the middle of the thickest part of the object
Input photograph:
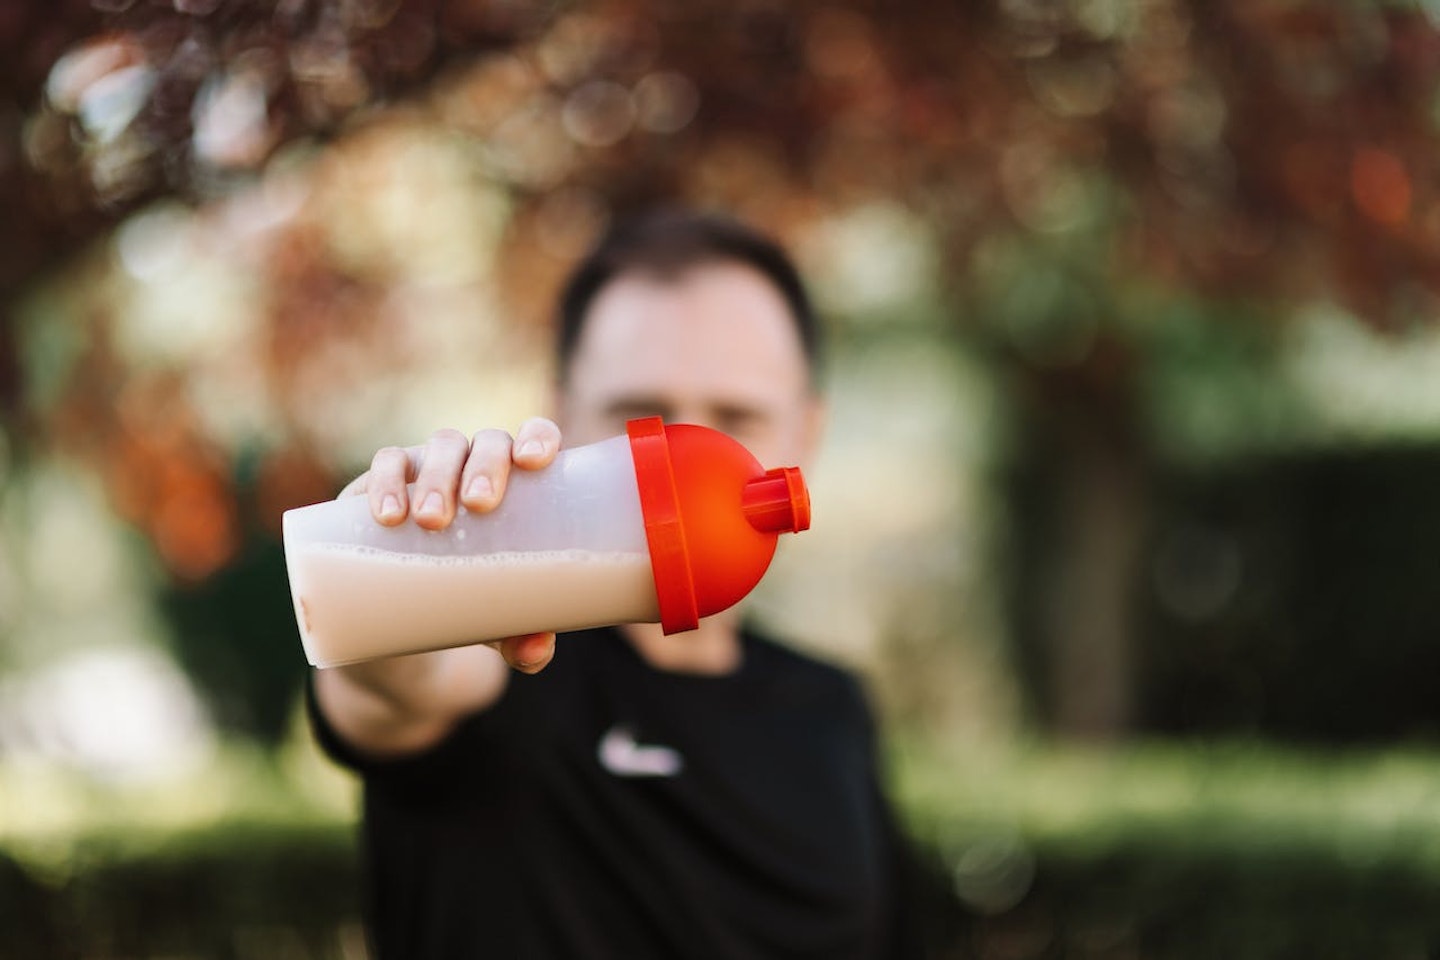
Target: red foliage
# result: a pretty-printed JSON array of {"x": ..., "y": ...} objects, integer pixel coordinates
[{"x": 1276, "y": 151}]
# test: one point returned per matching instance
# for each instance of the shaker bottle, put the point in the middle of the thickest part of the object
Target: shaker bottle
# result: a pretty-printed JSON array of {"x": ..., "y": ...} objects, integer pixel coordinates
[{"x": 663, "y": 524}]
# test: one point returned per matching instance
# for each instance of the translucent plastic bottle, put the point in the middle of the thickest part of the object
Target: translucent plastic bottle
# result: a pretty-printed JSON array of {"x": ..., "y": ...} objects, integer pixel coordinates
[{"x": 663, "y": 524}]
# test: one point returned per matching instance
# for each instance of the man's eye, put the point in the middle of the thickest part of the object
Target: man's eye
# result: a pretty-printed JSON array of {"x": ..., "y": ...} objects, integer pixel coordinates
[{"x": 740, "y": 423}]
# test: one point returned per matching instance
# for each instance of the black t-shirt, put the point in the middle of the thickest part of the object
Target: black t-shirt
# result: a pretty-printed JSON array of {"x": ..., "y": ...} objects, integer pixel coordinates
[{"x": 606, "y": 809}]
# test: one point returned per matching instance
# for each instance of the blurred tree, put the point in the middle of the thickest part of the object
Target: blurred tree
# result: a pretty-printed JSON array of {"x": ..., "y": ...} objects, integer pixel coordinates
[{"x": 1080, "y": 164}]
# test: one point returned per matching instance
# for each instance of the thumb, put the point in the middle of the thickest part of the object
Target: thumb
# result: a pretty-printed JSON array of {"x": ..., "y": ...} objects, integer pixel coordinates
[{"x": 529, "y": 653}]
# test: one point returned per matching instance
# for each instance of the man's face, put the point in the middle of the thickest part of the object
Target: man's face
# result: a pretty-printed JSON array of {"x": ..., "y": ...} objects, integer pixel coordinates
[{"x": 715, "y": 345}]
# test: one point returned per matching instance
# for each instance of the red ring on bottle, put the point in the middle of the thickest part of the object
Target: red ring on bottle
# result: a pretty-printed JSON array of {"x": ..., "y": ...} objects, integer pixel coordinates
[{"x": 664, "y": 531}]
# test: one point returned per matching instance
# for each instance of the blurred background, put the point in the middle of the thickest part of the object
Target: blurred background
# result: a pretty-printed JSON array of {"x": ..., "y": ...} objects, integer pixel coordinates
[{"x": 1128, "y": 507}]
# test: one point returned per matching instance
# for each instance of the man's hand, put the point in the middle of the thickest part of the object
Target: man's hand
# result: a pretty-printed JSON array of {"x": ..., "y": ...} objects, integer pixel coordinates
[
  {"x": 398, "y": 705},
  {"x": 449, "y": 470}
]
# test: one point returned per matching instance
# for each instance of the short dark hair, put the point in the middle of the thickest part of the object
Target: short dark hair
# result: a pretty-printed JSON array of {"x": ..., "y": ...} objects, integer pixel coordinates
[{"x": 667, "y": 243}]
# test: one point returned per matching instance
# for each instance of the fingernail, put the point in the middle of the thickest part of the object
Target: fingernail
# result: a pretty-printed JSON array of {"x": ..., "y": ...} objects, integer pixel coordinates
[
  {"x": 431, "y": 506},
  {"x": 390, "y": 506},
  {"x": 480, "y": 488},
  {"x": 530, "y": 448}
]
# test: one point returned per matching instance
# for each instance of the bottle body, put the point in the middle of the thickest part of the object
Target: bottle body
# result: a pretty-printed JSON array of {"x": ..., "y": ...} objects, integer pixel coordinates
[{"x": 565, "y": 549}]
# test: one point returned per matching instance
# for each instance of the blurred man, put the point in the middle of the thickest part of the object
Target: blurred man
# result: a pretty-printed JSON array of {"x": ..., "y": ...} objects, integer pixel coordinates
[{"x": 709, "y": 794}]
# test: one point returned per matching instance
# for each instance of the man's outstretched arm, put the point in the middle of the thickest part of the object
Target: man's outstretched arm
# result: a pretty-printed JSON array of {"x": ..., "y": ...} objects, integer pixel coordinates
[{"x": 399, "y": 705}]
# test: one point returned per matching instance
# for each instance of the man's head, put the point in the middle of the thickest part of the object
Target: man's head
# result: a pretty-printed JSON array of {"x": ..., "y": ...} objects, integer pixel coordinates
[{"x": 696, "y": 319}]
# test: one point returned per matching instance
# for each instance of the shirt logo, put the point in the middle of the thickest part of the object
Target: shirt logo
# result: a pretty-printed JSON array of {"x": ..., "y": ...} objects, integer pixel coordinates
[{"x": 622, "y": 756}]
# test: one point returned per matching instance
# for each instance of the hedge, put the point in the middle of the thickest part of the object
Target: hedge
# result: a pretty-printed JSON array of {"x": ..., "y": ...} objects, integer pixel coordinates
[{"x": 1148, "y": 851}]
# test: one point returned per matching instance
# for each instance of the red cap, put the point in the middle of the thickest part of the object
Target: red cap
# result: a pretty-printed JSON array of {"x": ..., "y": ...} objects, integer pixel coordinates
[{"x": 712, "y": 515}]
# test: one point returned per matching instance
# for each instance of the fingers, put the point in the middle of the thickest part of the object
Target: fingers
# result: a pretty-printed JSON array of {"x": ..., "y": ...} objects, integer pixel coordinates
[
  {"x": 384, "y": 483},
  {"x": 536, "y": 443},
  {"x": 450, "y": 470},
  {"x": 492, "y": 452},
  {"x": 438, "y": 479},
  {"x": 530, "y": 653},
  {"x": 482, "y": 483}
]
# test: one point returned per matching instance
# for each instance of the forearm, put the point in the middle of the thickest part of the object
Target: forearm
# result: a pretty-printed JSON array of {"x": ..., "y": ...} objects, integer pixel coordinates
[
  {"x": 403, "y": 704},
  {"x": 398, "y": 705}
]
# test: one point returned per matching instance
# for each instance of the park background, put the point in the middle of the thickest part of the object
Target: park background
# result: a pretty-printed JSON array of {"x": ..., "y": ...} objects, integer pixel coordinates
[{"x": 1127, "y": 510}]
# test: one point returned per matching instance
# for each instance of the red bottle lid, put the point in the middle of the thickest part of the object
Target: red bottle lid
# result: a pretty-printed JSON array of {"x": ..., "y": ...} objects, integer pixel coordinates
[{"x": 712, "y": 516}]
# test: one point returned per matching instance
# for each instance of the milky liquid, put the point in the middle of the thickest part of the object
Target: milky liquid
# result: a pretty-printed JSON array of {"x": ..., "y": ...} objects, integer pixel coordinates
[{"x": 357, "y": 603}]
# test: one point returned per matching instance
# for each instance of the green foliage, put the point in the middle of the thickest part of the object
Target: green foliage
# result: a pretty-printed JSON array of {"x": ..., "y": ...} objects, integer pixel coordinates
[
  {"x": 230, "y": 890},
  {"x": 1293, "y": 597},
  {"x": 1165, "y": 851},
  {"x": 235, "y": 635},
  {"x": 1160, "y": 851}
]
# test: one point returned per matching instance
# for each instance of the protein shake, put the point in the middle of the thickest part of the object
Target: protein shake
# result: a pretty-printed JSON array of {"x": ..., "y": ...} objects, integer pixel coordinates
[
  {"x": 664, "y": 524},
  {"x": 346, "y": 602}
]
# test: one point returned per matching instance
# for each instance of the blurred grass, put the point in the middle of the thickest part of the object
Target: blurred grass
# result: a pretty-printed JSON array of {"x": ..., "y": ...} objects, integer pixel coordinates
[
  {"x": 1152, "y": 849},
  {"x": 251, "y": 855},
  {"x": 1363, "y": 809},
  {"x": 56, "y": 820},
  {"x": 1182, "y": 850}
]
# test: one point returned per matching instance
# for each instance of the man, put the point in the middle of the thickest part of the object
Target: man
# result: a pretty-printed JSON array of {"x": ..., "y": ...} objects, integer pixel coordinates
[{"x": 709, "y": 794}]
